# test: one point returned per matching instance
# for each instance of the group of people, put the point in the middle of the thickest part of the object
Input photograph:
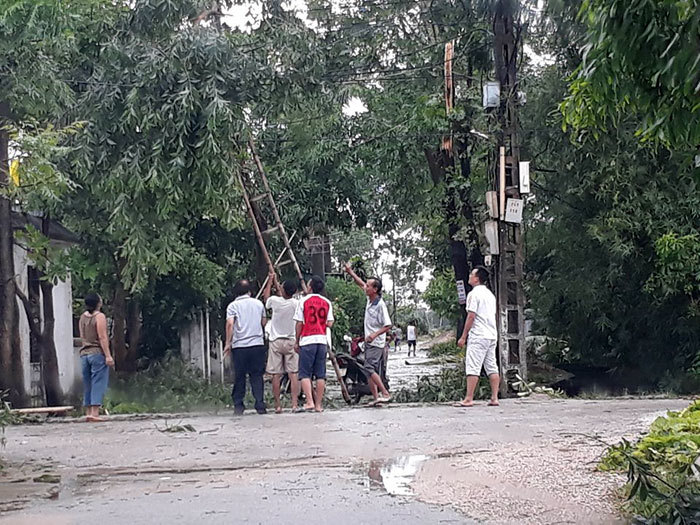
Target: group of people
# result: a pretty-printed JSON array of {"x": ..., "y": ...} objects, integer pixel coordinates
[{"x": 299, "y": 337}]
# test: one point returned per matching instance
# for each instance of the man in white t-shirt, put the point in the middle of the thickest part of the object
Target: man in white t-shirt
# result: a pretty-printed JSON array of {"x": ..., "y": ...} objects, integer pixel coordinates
[
  {"x": 245, "y": 320},
  {"x": 281, "y": 357},
  {"x": 411, "y": 338},
  {"x": 480, "y": 336}
]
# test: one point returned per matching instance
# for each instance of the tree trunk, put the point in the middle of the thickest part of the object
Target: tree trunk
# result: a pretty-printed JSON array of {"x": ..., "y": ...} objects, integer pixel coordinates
[
  {"x": 455, "y": 207},
  {"x": 133, "y": 330},
  {"x": 11, "y": 369},
  {"x": 50, "y": 375},
  {"x": 119, "y": 349}
]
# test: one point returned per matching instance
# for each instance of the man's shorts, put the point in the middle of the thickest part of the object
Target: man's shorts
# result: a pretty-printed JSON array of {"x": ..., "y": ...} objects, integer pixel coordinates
[
  {"x": 374, "y": 357},
  {"x": 481, "y": 352},
  {"x": 411, "y": 343},
  {"x": 312, "y": 361},
  {"x": 282, "y": 358}
]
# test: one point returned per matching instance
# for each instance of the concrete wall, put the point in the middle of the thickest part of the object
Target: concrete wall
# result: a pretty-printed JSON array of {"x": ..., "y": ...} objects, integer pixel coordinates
[
  {"x": 20, "y": 257},
  {"x": 68, "y": 358},
  {"x": 192, "y": 336}
]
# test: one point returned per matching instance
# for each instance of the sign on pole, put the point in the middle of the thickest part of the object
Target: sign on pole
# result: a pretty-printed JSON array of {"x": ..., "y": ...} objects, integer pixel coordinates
[
  {"x": 514, "y": 210},
  {"x": 524, "y": 174}
]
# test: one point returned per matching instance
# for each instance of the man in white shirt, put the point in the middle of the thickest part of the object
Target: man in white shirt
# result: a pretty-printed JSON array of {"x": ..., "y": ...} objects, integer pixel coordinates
[
  {"x": 245, "y": 319},
  {"x": 377, "y": 324},
  {"x": 480, "y": 336},
  {"x": 281, "y": 357},
  {"x": 411, "y": 338}
]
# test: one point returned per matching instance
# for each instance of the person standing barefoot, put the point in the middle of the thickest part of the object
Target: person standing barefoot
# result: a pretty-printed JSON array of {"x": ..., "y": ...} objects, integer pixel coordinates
[
  {"x": 480, "y": 337},
  {"x": 377, "y": 324},
  {"x": 281, "y": 357},
  {"x": 95, "y": 356},
  {"x": 313, "y": 317}
]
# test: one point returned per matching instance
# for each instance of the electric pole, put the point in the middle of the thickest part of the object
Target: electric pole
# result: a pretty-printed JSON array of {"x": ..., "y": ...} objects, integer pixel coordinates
[{"x": 509, "y": 265}]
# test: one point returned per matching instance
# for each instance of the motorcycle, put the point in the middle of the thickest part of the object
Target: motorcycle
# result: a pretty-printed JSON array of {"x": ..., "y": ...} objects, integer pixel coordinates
[{"x": 355, "y": 375}]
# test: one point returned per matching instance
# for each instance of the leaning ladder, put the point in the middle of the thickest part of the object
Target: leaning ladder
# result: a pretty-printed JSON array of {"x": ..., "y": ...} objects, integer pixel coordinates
[{"x": 248, "y": 184}]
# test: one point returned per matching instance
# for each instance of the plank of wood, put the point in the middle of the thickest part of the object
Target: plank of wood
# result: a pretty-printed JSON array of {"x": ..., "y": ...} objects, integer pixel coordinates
[{"x": 41, "y": 410}]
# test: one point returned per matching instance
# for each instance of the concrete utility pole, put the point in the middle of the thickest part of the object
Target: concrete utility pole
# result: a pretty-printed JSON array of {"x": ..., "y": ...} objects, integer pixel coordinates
[{"x": 509, "y": 265}]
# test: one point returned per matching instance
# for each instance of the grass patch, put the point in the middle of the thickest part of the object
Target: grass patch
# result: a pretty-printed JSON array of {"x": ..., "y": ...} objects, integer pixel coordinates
[
  {"x": 6, "y": 418},
  {"x": 168, "y": 385},
  {"x": 663, "y": 469},
  {"x": 445, "y": 349},
  {"x": 449, "y": 385}
]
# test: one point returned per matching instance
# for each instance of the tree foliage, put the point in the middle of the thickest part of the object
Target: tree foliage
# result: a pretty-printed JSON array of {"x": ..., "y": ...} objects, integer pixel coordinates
[
  {"x": 640, "y": 58},
  {"x": 611, "y": 245}
]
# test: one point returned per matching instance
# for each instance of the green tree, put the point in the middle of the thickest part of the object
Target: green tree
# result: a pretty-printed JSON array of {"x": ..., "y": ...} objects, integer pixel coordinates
[
  {"x": 39, "y": 50},
  {"x": 639, "y": 58},
  {"x": 605, "y": 272}
]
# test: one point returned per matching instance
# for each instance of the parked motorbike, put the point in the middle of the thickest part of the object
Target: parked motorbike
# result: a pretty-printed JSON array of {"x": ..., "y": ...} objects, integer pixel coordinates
[{"x": 355, "y": 375}]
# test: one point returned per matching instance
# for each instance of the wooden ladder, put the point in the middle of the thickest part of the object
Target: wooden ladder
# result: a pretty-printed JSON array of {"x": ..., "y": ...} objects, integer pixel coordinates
[{"x": 251, "y": 196}]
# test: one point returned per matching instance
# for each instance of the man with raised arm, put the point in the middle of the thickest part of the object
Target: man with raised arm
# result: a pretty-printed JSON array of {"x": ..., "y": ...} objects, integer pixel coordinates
[
  {"x": 281, "y": 356},
  {"x": 480, "y": 336},
  {"x": 377, "y": 324}
]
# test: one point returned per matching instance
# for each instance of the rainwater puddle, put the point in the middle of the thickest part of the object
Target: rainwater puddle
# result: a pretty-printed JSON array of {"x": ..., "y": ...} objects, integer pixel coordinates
[{"x": 396, "y": 475}]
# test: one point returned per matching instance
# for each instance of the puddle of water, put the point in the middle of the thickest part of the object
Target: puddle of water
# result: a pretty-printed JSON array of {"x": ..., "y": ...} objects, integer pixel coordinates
[{"x": 397, "y": 474}]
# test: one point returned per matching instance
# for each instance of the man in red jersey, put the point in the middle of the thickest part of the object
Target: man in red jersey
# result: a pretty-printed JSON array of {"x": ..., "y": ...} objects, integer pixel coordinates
[{"x": 313, "y": 316}]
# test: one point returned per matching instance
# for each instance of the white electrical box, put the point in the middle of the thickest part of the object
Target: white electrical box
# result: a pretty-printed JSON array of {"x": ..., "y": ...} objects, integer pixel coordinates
[
  {"x": 524, "y": 176},
  {"x": 514, "y": 210},
  {"x": 492, "y": 95},
  {"x": 491, "y": 234},
  {"x": 492, "y": 204}
]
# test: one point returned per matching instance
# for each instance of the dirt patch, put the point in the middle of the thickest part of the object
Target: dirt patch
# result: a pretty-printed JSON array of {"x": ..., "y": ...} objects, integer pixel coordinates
[
  {"x": 551, "y": 481},
  {"x": 21, "y": 487}
]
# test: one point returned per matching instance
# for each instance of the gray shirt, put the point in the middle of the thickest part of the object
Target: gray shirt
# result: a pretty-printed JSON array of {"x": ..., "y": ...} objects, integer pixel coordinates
[
  {"x": 247, "y": 314},
  {"x": 376, "y": 318}
]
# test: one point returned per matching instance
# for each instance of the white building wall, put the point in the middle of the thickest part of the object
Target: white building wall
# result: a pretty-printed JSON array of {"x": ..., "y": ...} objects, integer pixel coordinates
[
  {"x": 193, "y": 347},
  {"x": 68, "y": 359},
  {"x": 63, "y": 335},
  {"x": 21, "y": 279}
]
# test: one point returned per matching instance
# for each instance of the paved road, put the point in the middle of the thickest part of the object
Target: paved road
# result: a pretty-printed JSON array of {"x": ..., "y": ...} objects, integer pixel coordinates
[{"x": 529, "y": 461}]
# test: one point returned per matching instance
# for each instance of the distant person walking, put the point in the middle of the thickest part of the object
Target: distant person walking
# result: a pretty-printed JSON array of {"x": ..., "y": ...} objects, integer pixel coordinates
[
  {"x": 377, "y": 324},
  {"x": 95, "y": 357},
  {"x": 245, "y": 319},
  {"x": 411, "y": 338},
  {"x": 398, "y": 334},
  {"x": 480, "y": 336},
  {"x": 314, "y": 315},
  {"x": 282, "y": 357}
]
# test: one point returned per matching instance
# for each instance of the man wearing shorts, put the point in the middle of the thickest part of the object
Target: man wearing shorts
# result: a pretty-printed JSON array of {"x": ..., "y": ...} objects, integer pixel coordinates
[
  {"x": 377, "y": 324},
  {"x": 411, "y": 338},
  {"x": 480, "y": 336},
  {"x": 281, "y": 357},
  {"x": 314, "y": 315}
]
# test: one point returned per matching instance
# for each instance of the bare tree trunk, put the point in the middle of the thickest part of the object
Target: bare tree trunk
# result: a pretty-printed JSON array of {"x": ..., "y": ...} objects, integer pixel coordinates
[
  {"x": 11, "y": 370},
  {"x": 133, "y": 330},
  {"x": 456, "y": 206},
  {"x": 50, "y": 374},
  {"x": 121, "y": 357}
]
